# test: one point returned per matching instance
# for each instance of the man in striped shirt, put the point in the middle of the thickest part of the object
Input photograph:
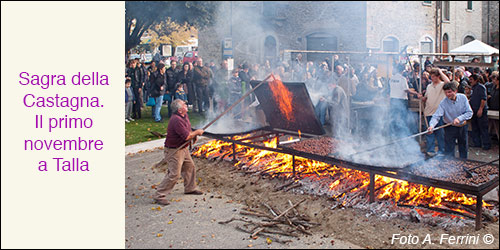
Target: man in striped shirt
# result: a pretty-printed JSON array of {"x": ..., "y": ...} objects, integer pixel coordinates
[{"x": 454, "y": 109}]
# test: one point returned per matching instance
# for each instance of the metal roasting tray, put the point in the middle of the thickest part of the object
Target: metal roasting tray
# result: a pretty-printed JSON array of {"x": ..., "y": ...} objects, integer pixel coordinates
[{"x": 410, "y": 170}]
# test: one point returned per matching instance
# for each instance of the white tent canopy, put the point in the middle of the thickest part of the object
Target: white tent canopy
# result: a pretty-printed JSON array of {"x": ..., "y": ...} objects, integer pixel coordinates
[{"x": 474, "y": 47}]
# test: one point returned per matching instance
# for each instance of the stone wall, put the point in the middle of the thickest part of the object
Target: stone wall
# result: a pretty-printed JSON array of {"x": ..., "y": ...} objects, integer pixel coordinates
[
  {"x": 493, "y": 22},
  {"x": 463, "y": 23},
  {"x": 408, "y": 21}
]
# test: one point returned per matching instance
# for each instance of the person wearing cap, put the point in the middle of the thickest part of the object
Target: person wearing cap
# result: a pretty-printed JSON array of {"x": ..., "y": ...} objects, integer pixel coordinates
[
  {"x": 179, "y": 161},
  {"x": 455, "y": 110}
]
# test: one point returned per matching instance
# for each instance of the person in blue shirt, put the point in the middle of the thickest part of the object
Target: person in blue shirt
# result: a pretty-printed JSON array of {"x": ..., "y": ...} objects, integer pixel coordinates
[
  {"x": 479, "y": 121},
  {"x": 455, "y": 110},
  {"x": 180, "y": 93}
]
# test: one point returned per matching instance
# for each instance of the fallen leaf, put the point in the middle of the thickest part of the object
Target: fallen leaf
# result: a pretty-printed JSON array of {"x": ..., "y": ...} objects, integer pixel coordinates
[
  {"x": 180, "y": 211},
  {"x": 269, "y": 241},
  {"x": 250, "y": 245},
  {"x": 170, "y": 222},
  {"x": 159, "y": 235},
  {"x": 158, "y": 208}
]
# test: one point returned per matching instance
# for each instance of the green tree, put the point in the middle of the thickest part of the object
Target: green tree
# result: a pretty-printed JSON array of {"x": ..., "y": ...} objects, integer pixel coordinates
[
  {"x": 141, "y": 16},
  {"x": 168, "y": 32}
]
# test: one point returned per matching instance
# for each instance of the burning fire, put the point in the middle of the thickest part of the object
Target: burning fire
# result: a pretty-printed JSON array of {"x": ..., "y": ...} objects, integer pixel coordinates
[
  {"x": 341, "y": 181},
  {"x": 283, "y": 97}
]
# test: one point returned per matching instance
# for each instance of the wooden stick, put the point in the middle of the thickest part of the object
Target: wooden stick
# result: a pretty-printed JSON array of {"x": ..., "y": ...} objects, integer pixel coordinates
[
  {"x": 288, "y": 209},
  {"x": 273, "y": 238},
  {"x": 441, "y": 210},
  {"x": 398, "y": 140},
  {"x": 298, "y": 184},
  {"x": 277, "y": 217}
]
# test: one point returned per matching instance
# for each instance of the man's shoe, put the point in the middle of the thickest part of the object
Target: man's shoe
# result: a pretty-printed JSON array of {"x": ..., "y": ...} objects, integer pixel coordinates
[
  {"x": 430, "y": 154},
  {"x": 162, "y": 202},
  {"x": 195, "y": 192},
  {"x": 131, "y": 119}
]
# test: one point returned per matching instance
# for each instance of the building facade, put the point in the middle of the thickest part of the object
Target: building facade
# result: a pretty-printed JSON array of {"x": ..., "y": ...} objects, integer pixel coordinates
[
  {"x": 261, "y": 30},
  {"x": 490, "y": 23}
]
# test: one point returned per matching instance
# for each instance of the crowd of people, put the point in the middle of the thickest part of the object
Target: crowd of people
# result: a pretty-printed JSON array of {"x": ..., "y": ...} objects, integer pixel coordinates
[{"x": 333, "y": 85}]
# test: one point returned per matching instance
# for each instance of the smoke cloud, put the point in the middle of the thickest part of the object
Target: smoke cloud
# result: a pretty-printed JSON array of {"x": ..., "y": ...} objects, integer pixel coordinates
[{"x": 359, "y": 130}]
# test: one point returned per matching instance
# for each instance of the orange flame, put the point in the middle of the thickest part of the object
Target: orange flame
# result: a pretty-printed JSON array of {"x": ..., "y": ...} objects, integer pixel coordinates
[
  {"x": 338, "y": 178},
  {"x": 283, "y": 97}
]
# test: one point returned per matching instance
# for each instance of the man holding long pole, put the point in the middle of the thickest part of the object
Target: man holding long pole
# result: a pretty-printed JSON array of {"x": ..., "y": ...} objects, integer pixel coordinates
[
  {"x": 454, "y": 109},
  {"x": 177, "y": 154},
  {"x": 179, "y": 162}
]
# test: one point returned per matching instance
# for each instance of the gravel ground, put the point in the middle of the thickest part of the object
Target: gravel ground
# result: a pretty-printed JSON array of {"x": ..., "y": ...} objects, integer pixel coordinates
[{"x": 191, "y": 221}]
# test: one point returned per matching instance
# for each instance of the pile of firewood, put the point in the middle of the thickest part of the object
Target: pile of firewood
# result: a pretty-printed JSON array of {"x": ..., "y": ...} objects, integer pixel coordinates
[{"x": 273, "y": 222}]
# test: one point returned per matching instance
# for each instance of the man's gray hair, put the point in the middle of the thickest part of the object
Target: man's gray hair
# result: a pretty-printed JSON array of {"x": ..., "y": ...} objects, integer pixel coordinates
[{"x": 177, "y": 104}]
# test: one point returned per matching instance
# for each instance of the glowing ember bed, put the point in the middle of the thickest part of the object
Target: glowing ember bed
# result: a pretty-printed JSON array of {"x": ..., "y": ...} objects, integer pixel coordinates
[
  {"x": 409, "y": 173},
  {"x": 293, "y": 163}
]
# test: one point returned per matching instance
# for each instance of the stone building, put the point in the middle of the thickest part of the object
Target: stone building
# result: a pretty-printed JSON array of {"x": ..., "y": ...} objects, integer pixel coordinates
[
  {"x": 254, "y": 31},
  {"x": 490, "y": 23}
]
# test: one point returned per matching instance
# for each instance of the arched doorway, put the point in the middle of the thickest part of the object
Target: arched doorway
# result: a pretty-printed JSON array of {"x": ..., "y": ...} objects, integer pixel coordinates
[
  {"x": 390, "y": 44},
  {"x": 468, "y": 39},
  {"x": 320, "y": 41},
  {"x": 270, "y": 49},
  {"x": 445, "y": 43}
]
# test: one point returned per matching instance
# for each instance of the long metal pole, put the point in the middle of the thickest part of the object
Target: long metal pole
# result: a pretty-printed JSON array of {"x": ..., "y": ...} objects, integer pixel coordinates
[
  {"x": 389, "y": 53},
  {"x": 420, "y": 100},
  {"x": 401, "y": 139},
  {"x": 223, "y": 113}
]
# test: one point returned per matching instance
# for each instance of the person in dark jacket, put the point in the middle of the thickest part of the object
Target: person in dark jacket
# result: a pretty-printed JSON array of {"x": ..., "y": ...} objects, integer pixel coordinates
[
  {"x": 479, "y": 120},
  {"x": 493, "y": 99},
  {"x": 185, "y": 77},
  {"x": 158, "y": 87},
  {"x": 134, "y": 73},
  {"x": 201, "y": 79},
  {"x": 171, "y": 84}
]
